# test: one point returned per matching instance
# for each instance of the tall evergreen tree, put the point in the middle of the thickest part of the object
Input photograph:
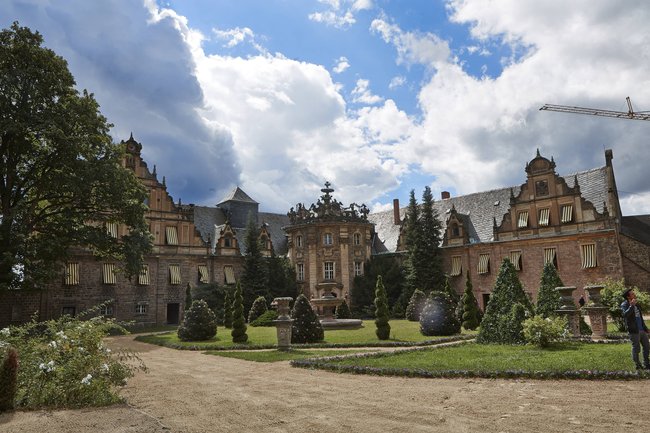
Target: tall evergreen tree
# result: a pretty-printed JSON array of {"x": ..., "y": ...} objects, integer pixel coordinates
[
  {"x": 281, "y": 277},
  {"x": 430, "y": 263},
  {"x": 306, "y": 328},
  {"x": 508, "y": 307},
  {"x": 254, "y": 276},
  {"x": 362, "y": 294},
  {"x": 413, "y": 245},
  {"x": 238, "y": 322},
  {"x": 382, "y": 314},
  {"x": 227, "y": 309},
  {"x": 415, "y": 306},
  {"x": 471, "y": 314},
  {"x": 548, "y": 299},
  {"x": 188, "y": 297}
]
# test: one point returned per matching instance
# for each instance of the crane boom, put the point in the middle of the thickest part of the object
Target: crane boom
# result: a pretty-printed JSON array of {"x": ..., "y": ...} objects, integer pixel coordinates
[{"x": 643, "y": 115}]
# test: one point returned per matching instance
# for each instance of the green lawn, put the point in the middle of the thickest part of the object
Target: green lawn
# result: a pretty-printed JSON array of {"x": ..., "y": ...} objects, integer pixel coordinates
[
  {"x": 276, "y": 355},
  {"x": 562, "y": 357},
  {"x": 401, "y": 331}
]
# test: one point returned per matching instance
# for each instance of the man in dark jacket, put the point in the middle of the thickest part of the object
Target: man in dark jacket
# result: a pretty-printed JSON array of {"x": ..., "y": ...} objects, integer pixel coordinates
[{"x": 636, "y": 328}]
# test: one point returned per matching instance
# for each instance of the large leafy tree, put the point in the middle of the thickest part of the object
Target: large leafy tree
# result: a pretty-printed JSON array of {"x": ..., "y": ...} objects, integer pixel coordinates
[
  {"x": 362, "y": 294},
  {"x": 60, "y": 173}
]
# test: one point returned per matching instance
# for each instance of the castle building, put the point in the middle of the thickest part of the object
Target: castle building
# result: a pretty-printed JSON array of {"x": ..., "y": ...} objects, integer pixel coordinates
[{"x": 571, "y": 221}]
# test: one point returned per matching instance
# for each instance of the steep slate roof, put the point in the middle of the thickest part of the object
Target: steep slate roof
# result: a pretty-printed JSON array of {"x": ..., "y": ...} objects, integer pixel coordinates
[
  {"x": 637, "y": 227},
  {"x": 477, "y": 210},
  {"x": 210, "y": 220},
  {"x": 238, "y": 194}
]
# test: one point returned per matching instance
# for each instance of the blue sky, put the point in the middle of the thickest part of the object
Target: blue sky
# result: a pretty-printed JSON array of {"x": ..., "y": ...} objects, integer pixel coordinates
[{"x": 377, "y": 96}]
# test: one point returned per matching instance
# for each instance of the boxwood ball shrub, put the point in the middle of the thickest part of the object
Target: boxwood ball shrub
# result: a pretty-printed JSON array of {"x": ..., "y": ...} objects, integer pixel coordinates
[
  {"x": 265, "y": 319},
  {"x": 415, "y": 305},
  {"x": 238, "y": 332},
  {"x": 507, "y": 309},
  {"x": 343, "y": 311},
  {"x": 306, "y": 327},
  {"x": 199, "y": 323},
  {"x": 382, "y": 314},
  {"x": 438, "y": 316},
  {"x": 258, "y": 308}
]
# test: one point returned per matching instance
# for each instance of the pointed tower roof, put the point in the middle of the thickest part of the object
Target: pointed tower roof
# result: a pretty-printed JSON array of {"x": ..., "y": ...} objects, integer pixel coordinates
[{"x": 237, "y": 194}]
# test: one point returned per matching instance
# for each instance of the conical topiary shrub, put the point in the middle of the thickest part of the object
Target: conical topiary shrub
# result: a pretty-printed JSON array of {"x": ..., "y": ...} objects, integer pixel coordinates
[
  {"x": 188, "y": 296},
  {"x": 471, "y": 312},
  {"x": 258, "y": 308},
  {"x": 438, "y": 316},
  {"x": 199, "y": 323},
  {"x": 306, "y": 327},
  {"x": 381, "y": 311},
  {"x": 238, "y": 322},
  {"x": 8, "y": 380},
  {"x": 508, "y": 308},
  {"x": 415, "y": 306},
  {"x": 549, "y": 299},
  {"x": 227, "y": 310},
  {"x": 343, "y": 311}
]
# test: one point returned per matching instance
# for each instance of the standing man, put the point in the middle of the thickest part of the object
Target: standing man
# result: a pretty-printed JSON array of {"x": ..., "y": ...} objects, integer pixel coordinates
[{"x": 636, "y": 328}]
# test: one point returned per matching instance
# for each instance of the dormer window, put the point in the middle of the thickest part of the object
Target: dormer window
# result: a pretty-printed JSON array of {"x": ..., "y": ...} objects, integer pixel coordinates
[
  {"x": 328, "y": 239},
  {"x": 522, "y": 219},
  {"x": 455, "y": 230},
  {"x": 227, "y": 242}
]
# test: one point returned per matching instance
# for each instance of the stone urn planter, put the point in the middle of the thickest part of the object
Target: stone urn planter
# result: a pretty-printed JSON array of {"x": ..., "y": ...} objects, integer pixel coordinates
[
  {"x": 597, "y": 313},
  {"x": 283, "y": 322},
  {"x": 569, "y": 310}
]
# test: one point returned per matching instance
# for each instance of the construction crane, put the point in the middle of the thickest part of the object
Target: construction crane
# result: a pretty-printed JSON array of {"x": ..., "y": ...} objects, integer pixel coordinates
[{"x": 630, "y": 114}]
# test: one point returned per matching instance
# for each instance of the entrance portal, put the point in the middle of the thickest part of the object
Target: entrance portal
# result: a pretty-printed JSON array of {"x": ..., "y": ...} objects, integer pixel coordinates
[{"x": 173, "y": 313}]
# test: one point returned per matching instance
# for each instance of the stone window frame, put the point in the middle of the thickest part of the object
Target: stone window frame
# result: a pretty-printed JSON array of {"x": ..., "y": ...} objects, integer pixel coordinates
[
  {"x": 358, "y": 269},
  {"x": 299, "y": 241},
  {"x": 141, "y": 307},
  {"x": 356, "y": 238},
  {"x": 328, "y": 239},
  {"x": 329, "y": 273},
  {"x": 300, "y": 272}
]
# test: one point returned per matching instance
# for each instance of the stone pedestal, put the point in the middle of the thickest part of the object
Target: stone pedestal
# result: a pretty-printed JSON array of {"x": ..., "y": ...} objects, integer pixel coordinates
[
  {"x": 283, "y": 323},
  {"x": 569, "y": 310},
  {"x": 597, "y": 313}
]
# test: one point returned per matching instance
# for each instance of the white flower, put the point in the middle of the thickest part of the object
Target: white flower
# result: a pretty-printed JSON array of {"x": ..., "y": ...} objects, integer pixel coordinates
[
  {"x": 62, "y": 335},
  {"x": 82, "y": 350},
  {"x": 52, "y": 344},
  {"x": 105, "y": 368},
  {"x": 47, "y": 367},
  {"x": 86, "y": 380},
  {"x": 108, "y": 350},
  {"x": 5, "y": 332}
]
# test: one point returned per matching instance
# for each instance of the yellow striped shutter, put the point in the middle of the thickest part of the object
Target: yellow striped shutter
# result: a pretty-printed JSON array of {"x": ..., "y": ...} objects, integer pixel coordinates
[
  {"x": 171, "y": 235},
  {"x": 483, "y": 263},
  {"x": 143, "y": 277},
  {"x": 174, "y": 274},
  {"x": 203, "y": 274},
  {"x": 567, "y": 213},
  {"x": 71, "y": 274},
  {"x": 108, "y": 271},
  {"x": 588, "y": 256},
  {"x": 229, "y": 274},
  {"x": 456, "y": 266},
  {"x": 515, "y": 258},
  {"x": 544, "y": 217},
  {"x": 549, "y": 255},
  {"x": 523, "y": 219},
  {"x": 111, "y": 229}
]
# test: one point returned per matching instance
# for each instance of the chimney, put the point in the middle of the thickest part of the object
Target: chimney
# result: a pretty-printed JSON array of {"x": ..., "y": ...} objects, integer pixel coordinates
[
  {"x": 445, "y": 195},
  {"x": 396, "y": 219}
]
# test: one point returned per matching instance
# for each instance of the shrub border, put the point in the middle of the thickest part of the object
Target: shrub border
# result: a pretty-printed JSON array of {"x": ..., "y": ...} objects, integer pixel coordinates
[
  {"x": 324, "y": 363},
  {"x": 417, "y": 344}
]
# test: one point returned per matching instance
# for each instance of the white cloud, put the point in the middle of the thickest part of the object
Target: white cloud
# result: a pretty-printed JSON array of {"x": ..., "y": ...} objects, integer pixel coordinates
[
  {"x": 341, "y": 13},
  {"x": 396, "y": 82},
  {"x": 342, "y": 65},
  {"x": 412, "y": 47},
  {"x": 362, "y": 94}
]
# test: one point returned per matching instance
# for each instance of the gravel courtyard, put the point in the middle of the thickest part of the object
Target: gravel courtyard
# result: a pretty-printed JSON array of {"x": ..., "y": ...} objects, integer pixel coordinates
[{"x": 191, "y": 392}]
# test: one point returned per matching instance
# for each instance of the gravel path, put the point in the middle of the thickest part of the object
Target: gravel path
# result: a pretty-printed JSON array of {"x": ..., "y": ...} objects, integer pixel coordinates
[{"x": 190, "y": 392}]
